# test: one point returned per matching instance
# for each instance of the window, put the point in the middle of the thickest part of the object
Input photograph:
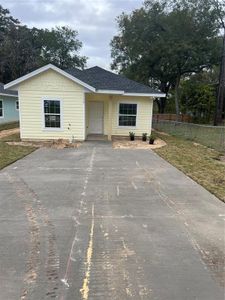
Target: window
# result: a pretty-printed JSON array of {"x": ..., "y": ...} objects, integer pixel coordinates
[
  {"x": 127, "y": 114},
  {"x": 1, "y": 108},
  {"x": 52, "y": 117},
  {"x": 17, "y": 104}
]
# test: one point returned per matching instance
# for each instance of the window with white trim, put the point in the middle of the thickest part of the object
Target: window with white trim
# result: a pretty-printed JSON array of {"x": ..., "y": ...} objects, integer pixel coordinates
[
  {"x": 52, "y": 114},
  {"x": 127, "y": 114},
  {"x": 1, "y": 108},
  {"x": 17, "y": 105}
]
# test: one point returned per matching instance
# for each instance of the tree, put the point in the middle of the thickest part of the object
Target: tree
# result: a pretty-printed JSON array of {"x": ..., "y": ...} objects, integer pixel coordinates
[
  {"x": 61, "y": 46},
  {"x": 19, "y": 53},
  {"x": 160, "y": 45},
  {"x": 6, "y": 20},
  {"x": 219, "y": 9},
  {"x": 197, "y": 98},
  {"x": 23, "y": 49}
]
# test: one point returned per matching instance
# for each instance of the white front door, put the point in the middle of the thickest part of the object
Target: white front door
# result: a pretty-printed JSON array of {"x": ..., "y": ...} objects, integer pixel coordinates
[{"x": 96, "y": 117}]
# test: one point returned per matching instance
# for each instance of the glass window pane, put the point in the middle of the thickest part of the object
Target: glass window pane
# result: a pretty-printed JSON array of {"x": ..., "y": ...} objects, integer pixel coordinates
[
  {"x": 1, "y": 112},
  {"x": 52, "y": 121},
  {"x": 0, "y": 104},
  {"x": 52, "y": 106},
  {"x": 127, "y": 120},
  {"x": 128, "y": 109}
]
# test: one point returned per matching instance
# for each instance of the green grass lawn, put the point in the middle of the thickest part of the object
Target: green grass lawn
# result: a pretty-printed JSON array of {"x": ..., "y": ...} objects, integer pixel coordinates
[
  {"x": 9, "y": 126},
  {"x": 200, "y": 163},
  {"x": 11, "y": 153}
]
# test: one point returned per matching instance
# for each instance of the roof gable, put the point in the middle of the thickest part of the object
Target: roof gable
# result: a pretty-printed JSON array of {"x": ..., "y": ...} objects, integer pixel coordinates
[{"x": 15, "y": 83}]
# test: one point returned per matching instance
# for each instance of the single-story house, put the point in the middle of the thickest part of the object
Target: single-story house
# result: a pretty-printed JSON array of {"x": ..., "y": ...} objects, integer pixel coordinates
[
  {"x": 72, "y": 104},
  {"x": 9, "y": 105}
]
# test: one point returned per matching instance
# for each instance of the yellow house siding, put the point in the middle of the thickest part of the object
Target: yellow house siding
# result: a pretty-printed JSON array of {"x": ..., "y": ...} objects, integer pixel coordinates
[
  {"x": 51, "y": 85},
  {"x": 143, "y": 119}
]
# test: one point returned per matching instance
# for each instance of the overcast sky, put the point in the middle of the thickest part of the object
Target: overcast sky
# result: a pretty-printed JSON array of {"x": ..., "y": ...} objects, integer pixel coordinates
[{"x": 94, "y": 20}]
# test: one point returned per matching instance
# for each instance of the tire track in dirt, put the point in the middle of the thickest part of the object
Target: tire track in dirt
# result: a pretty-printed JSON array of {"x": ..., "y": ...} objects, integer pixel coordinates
[{"x": 38, "y": 220}]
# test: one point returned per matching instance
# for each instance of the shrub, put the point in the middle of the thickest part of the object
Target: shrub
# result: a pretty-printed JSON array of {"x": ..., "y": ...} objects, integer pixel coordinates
[{"x": 132, "y": 136}]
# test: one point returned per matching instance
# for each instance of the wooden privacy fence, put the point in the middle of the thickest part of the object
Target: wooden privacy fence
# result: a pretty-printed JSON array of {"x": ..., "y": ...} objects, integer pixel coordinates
[
  {"x": 210, "y": 136},
  {"x": 172, "y": 117}
]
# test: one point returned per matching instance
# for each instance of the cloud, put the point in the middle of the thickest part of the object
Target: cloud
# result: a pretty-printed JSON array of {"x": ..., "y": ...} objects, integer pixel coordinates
[{"x": 94, "y": 20}]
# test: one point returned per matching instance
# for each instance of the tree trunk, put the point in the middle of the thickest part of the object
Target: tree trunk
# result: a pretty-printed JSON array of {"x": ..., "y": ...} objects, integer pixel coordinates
[
  {"x": 158, "y": 102},
  {"x": 164, "y": 88},
  {"x": 177, "y": 84},
  {"x": 220, "y": 92}
]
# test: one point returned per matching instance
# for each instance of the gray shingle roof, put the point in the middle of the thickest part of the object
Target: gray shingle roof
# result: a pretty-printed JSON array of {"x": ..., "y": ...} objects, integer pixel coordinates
[
  {"x": 105, "y": 80},
  {"x": 7, "y": 92}
]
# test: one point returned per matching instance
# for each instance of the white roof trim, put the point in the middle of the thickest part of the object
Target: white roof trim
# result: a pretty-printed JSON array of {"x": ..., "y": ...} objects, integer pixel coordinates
[
  {"x": 14, "y": 83},
  {"x": 116, "y": 92},
  {"x": 159, "y": 95},
  {"x": 8, "y": 95}
]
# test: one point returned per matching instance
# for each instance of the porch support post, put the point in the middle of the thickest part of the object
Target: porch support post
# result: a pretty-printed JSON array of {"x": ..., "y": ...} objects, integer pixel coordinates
[{"x": 110, "y": 119}]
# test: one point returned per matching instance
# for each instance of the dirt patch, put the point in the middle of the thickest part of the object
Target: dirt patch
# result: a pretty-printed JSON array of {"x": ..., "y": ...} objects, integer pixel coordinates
[
  {"x": 8, "y": 132},
  {"x": 57, "y": 144},
  {"x": 137, "y": 144}
]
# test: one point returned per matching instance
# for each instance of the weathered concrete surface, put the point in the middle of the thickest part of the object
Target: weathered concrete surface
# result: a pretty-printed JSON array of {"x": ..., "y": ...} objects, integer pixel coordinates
[{"x": 97, "y": 223}]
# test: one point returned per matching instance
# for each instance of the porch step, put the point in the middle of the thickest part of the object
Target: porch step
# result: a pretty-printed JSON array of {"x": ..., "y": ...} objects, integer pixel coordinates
[{"x": 97, "y": 137}]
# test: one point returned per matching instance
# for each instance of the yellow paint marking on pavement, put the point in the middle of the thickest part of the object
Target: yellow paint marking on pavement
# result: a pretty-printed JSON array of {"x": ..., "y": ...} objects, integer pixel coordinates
[{"x": 85, "y": 288}]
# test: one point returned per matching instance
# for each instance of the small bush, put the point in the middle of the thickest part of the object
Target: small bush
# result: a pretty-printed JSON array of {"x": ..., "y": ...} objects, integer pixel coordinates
[
  {"x": 132, "y": 136},
  {"x": 152, "y": 138},
  {"x": 144, "y": 137}
]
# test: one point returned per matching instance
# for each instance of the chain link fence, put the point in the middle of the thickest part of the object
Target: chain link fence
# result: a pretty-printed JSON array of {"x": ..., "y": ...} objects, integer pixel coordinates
[{"x": 210, "y": 136}]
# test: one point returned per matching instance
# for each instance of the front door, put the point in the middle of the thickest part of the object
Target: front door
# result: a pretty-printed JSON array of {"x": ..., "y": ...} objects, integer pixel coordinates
[{"x": 96, "y": 117}]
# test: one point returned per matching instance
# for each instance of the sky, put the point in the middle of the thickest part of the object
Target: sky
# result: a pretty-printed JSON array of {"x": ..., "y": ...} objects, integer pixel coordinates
[{"x": 94, "y": 21}]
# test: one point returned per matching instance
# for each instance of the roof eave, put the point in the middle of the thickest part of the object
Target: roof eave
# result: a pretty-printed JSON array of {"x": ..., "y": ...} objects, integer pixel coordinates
[
  {"x": 119, "y": 92},
  {"x": 157, "y": 95},
  {"x": 8, "y": 95}
]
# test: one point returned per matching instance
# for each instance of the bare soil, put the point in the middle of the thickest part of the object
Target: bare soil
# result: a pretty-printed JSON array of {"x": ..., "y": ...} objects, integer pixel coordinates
[
  {"x": 137, "y": 144},
  {"x": 8, "y": 132},
  {"x": 57, "y": 144}
]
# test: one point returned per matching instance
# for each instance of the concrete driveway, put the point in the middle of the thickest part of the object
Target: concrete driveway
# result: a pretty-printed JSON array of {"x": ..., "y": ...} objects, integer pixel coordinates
[{"x": 97, "y": 223}]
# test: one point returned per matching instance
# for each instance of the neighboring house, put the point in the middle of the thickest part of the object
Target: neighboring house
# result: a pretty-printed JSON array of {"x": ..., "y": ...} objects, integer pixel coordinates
[
  {"x": 73, "y": 104},
  {"x": 9, "y": 105}
]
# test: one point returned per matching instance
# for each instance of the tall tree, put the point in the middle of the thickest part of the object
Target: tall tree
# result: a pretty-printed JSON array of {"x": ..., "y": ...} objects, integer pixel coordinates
[
  {"x": 23, "y": 49},
  {"x": 197, "y": 96},
  {"x": 219, "y": 9},
  {"x": 61, "y": 47},
  {"x": 159, "y": 45},
  {"x": 19, "y": 53}
]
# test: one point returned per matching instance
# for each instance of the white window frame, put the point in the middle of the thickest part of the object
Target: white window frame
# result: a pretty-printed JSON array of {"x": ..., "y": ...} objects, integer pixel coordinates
[
  {"x": 17, "y": 101},
  {"x": 118, "y": 110},
  {"x": 2, "y": 117},
  {"x": 43, "y": 114}
]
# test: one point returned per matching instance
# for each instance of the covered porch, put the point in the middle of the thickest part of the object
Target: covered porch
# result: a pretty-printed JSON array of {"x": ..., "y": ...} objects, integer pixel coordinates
[
  {"x": 108, "y": 115},
  {"x": 98, "y": 116}
]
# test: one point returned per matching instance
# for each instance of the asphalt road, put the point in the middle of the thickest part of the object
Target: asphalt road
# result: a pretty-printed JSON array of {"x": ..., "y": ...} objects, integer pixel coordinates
[{"x": 97, "y": 223}]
